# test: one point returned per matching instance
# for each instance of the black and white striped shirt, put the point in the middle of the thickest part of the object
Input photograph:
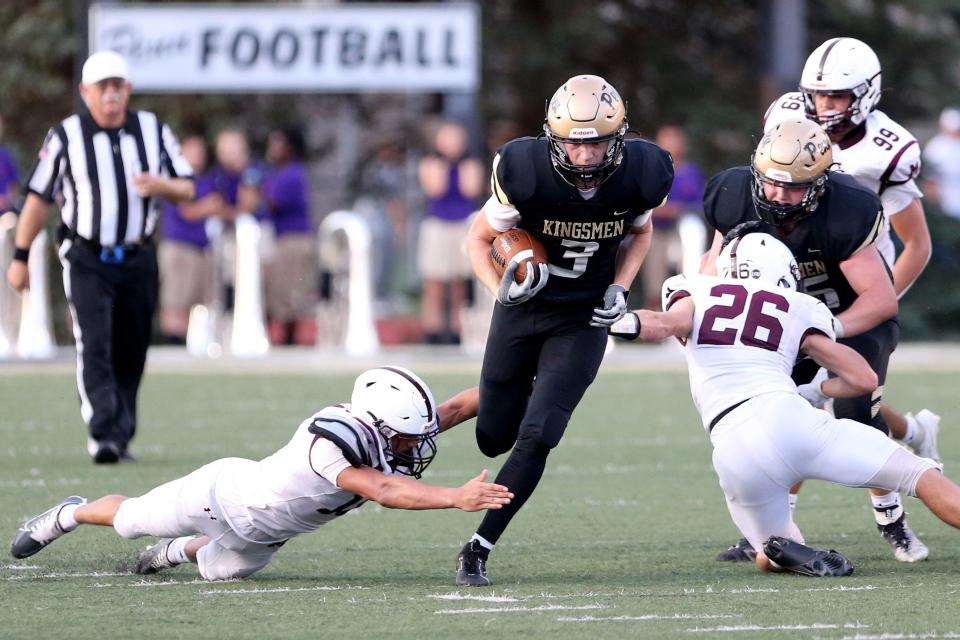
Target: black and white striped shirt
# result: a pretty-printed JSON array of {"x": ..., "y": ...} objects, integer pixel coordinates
[{"x": 82, "y": 161}]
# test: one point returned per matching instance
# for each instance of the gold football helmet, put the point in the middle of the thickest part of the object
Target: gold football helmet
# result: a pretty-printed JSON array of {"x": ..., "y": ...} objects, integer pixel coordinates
[
  {"x": 796, "y": 153},
  {"x": 586, "y": 109}
]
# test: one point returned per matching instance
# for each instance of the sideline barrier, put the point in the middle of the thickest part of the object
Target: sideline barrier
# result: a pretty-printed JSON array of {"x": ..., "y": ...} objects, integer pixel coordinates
[{"x": 346, "y": 252}]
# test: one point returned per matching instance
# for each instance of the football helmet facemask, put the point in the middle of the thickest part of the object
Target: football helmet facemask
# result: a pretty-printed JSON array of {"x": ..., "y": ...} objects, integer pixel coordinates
[
  {"x": 759, "y": 256},
  {"x": 842, "y": 66},
  {"x": 403, "y": 410},
  {"x": 586, "y": 109},
  {"x": 795, "y": 153}
]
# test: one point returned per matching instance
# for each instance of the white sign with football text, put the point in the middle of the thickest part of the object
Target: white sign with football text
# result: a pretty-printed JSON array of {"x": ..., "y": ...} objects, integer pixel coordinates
[{"x": 292, "y": 48}]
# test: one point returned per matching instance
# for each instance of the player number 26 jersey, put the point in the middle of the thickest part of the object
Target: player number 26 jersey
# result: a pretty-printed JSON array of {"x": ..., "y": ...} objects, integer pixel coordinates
[{"x": 745, "y": 338}]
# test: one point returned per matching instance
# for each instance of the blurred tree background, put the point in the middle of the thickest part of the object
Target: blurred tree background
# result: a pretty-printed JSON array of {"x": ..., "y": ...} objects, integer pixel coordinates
[{"x": 703, "y": 64}]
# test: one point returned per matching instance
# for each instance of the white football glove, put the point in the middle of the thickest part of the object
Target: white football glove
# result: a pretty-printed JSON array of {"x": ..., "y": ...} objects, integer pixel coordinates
[
  {"x": 811, "y": 391},
  {"x": 627, "y": 327},
  {"x": 511, "y": 293},
  {"x": 614, "y": 306}
]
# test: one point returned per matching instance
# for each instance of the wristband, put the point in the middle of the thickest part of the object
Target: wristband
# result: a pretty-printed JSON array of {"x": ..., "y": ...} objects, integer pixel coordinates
[
  {"x": 838, "y": 328},
  {"x": 21, "y": 254}
]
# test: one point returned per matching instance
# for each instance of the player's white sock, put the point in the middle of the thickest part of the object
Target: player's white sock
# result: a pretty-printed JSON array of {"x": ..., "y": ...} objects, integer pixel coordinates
[
  {"x": 177, "y": 551},
  {"x": 913, "y": 429},
  {"x": 887, "y": 508},
  {"x": 483, "y": 542},
  {"x": 66, "y": 517},
  {"x": 793, "y": 502}
]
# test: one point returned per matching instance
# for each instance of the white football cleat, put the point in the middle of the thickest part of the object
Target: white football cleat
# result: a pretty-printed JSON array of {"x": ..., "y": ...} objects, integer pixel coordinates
[
  {"x": 904, "y": 542},
  {"x": 41, "y": 530}
]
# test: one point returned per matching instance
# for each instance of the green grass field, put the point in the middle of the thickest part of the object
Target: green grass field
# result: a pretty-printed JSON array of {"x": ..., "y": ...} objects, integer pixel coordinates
[{"x": 618, "y": 541}]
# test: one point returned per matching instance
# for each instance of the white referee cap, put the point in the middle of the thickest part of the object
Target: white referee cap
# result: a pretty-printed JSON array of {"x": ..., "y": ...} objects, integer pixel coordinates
[
  {"x": 950, "y": 119},
  {"x": 102, "y": 65}
]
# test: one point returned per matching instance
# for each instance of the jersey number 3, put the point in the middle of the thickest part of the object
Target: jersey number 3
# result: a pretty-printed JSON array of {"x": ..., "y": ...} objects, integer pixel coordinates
[{"x": 754, "y": 321}]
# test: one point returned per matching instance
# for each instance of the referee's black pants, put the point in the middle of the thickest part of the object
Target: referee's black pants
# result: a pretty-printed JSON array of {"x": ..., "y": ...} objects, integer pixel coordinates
[
  {"x": 559, "y": 348},
  {"x": 112, "y": 307}
]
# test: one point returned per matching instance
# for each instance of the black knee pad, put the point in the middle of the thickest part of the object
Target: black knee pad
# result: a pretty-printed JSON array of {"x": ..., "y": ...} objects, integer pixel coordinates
[{"x": 493, "y": 444}]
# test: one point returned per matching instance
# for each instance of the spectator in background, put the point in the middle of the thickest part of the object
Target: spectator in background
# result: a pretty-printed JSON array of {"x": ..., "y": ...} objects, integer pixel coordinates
[
  {"x": 291, "y": 275},
  {"x": 451, "y": 183},
  {"x": 9, "y": 177},
  {"x": 383, "y": 186},
  {"x": 186, "y": 265},
  {"x": 686, "y": 194},
  {"x": 942, "y": 161}
]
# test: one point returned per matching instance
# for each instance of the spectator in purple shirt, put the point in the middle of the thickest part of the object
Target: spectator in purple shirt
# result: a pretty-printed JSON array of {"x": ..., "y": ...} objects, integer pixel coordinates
[
  {"x": 290, "y": 277},
  {"x": 185, "y": 267},
  {"x": 685, "y": 199},
  {"x": 9, "y": 177},
  {"x": 451, "y": 183}
]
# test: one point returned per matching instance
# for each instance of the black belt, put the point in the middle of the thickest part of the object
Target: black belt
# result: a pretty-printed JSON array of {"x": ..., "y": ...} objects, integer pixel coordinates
[
  {"x": 115, "y": 254},
  {"x": 720, "y": 416}
]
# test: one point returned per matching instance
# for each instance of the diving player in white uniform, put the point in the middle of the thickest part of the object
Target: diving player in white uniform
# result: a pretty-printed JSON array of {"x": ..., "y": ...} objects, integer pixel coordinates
[
  {"x": 743, "y": 331},
  {"x": 231, "y": 516}
]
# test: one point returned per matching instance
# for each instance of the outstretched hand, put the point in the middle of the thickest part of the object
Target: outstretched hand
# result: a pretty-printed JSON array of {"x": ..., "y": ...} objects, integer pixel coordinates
[{"x": 478, "y": 494}]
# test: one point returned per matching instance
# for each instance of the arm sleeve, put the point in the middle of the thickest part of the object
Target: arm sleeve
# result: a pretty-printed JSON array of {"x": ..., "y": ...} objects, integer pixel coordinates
[
  {"x": 172, "y": 162},
  {"x": 500, "y": 216},
  {"x": 327, "y": 460},
  {"x": 898, "y": 187},
  {"x": 675, "y": 288},
  {"x": 45, "y": 178}
]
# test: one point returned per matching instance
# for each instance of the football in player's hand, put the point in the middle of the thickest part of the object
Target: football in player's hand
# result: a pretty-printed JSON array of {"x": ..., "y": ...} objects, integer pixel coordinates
[{"x": 516, "y": 245}]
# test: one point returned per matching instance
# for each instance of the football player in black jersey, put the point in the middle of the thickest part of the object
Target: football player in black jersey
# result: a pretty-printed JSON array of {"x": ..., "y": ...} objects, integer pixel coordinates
[
  {"x": 586, "y": 194},
  {"x": 830, "y": 222}
]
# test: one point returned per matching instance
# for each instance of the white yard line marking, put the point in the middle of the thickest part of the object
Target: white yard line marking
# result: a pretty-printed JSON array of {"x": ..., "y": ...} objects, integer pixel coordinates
[
  {"x": 903, "y": 636},
  {"x": 652, "y": 616},
  {"x": 459, "y": 596},
  {"x": 47, "y": 576},
  {"x": 779, "y": 627},
  {"x": 217, "y": 592},
  {"x": 20, "y": 567},
  {"x": 543, "y": 607}
]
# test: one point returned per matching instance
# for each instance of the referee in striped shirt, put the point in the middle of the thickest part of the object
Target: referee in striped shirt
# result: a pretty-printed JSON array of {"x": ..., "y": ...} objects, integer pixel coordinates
[{"x": 108, "y": 166}]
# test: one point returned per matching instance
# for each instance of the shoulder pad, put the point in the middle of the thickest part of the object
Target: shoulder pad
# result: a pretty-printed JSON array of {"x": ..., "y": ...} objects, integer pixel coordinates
[
  {"x": 789, "y": 105},
  {"x": 674, "y": 288},
  {"x": 655, "y": 176},
  {"x": 513, "y": 179},
  {"x": 726, "y": 199},
  {"x": 342, "y": 430}
]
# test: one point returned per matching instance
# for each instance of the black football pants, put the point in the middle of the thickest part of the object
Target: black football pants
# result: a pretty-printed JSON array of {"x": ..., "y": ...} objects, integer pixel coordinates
[
  {"x": 112, "y": 307},
  {"x": 557, "y": 347}
]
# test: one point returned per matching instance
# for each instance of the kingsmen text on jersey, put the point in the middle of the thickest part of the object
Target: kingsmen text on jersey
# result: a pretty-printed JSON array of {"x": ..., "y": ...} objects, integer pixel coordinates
[
  {"x": 581, "y": 234},
  {"x": 295, "y": 490},
  {"x": 93, "y": 169},
  {"x": 847, "y": 219},
  {"x": 745, "y": 338},
  {"x": 882, "y": 155}
]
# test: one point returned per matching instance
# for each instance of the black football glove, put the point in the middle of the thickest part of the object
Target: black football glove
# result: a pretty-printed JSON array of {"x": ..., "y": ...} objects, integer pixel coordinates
[
  {"x": 511, "y": 293},
  {"x": 614, "y": 306}
]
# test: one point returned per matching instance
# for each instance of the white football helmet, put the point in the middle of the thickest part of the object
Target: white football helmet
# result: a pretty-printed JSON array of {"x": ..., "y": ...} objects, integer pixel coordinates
[
  {"x": 400, "y": 404},
  {"x": 840, "y": 66},
  {"x": 762, "y": 257}
]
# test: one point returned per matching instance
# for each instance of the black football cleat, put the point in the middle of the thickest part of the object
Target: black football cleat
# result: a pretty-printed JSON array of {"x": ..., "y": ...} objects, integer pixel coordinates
[
  {"x": 743, "y": 551},
  {"x": 799, "y": 558},
  {"x": 472, "y": 565}
]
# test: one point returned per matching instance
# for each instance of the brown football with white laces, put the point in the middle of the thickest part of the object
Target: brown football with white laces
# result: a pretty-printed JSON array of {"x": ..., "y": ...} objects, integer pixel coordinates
[{"x": 516, "y": 245}]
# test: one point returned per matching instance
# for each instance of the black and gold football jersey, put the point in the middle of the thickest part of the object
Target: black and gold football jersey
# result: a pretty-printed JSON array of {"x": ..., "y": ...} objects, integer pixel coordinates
[
  {"x": 848, "y": 218},
  {"x": 581, "y": 234}
]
